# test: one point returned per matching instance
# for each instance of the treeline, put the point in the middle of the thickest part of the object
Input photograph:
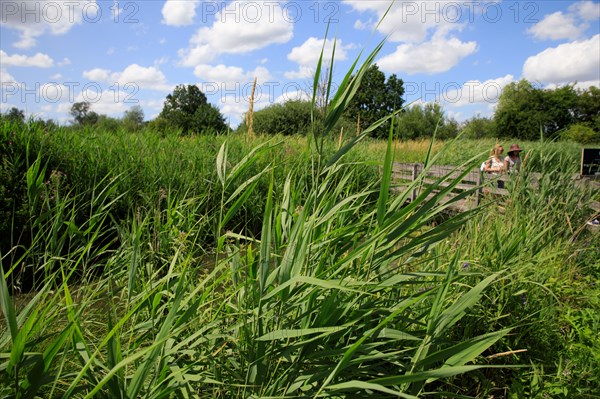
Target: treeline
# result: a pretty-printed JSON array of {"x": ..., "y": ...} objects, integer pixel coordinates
[{"x": 523, "y": 112}]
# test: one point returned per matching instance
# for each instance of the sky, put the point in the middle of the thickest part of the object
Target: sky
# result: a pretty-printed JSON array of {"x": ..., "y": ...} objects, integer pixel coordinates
[{"x": 119, "y": 54}]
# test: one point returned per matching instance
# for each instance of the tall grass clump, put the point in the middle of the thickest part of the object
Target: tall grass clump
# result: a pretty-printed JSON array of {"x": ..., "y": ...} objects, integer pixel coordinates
[
  {"x": 548, "y": 294},
  {"x": 341, "y": 293},
  {"x": 212, "y": 268}
]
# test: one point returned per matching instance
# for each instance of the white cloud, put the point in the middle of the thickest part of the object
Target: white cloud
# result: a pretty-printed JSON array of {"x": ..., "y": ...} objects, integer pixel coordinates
[
  {"x": 38, "y": 60},
  {"x": 5, "y": 77},
  {"x": 34, "y": 18},
  {"x": 179, "y": 12},
  {"x": 587, "y": 10},
  {"x": 438, "y": 55},
  {"x": 106, "y": 102},
  {"x": 97, "y": 74},
  {"x": 307, "y": 55},
  {"x": 241, "y": 27},
  {"x": 142, "y": 77},
  {"x": 569, "y": 62},
  {"x": 54, "y": 92},
  {"x": 409, "y": 21},
  {"x": 222, "y": 74},
  {"x": 363, "y": 25},
  {"x": 476, "y": 92},
  {"x": 557, "y": 26},
  {"x": 293, "y": 95},
  {"x": 578, "y": 85}
]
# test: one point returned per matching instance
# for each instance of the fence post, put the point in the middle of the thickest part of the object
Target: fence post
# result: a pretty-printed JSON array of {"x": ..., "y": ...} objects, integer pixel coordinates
[
  {"x": 413, "y": 195},
  {"x": 479, "y": 181}
]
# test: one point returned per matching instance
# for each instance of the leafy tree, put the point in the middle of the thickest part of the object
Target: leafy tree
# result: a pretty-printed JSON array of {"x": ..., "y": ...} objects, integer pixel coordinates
[
  {"x": 15, "y": 115},
  {"x": 420, "y": 121},
  {"x": 479, "y": 127},
  {"x": 108, "y": 124},
  {"x": 525, "y": 112},
  {"x": 188, "y": 109},
  {"x": 581, "y": 133},
  {"x": 291, "y": 117},
  {"x": 82, "y": 115},
  {"x": 133, "y": 120},
  {"x": 588, "y": 107},
  {"x": 375, "y": 99}
]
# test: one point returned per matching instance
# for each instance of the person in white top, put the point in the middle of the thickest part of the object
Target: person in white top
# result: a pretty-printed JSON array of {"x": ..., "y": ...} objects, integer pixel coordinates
[
  {"x": 494, "y": 164},
  {"x": 512, "y": 163}
]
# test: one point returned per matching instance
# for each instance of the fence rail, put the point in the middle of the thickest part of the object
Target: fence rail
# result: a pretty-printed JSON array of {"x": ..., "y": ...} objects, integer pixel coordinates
[{"x": 405, "y": 173}]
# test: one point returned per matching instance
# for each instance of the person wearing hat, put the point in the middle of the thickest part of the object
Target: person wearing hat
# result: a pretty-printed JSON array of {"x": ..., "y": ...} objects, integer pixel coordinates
[{"x": 512, "y": 163}]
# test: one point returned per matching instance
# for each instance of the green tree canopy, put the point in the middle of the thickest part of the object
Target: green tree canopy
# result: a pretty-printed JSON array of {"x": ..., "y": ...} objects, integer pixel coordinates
[
  {"x": 133, "y": 119},
  {"x": 82, "y": 115},
  {"x": 15, "y": 115},
  {"x": 291, "y": 117},
  {"x": 188, "y": 109},
  {"x": 422, "y": 121},
  {"x": 375, "y": 99},
  {"x": 525, "y": 111},
  {"x": 479, "y": 127}
]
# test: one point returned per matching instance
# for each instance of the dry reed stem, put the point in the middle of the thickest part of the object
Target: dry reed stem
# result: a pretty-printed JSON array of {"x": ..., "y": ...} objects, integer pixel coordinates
[
  {"x": 250, "y": 115},
  {"x": 495, "y": 355}
]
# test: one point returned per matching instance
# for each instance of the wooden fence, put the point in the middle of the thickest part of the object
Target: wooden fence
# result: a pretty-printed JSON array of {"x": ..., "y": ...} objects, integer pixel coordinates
[{"x": 405, "y": 173}]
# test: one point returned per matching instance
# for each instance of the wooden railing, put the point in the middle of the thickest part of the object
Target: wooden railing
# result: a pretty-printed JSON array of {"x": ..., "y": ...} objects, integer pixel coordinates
[
  {"x": 408, "y": 172},
  {"x": 405, "y": 173}
]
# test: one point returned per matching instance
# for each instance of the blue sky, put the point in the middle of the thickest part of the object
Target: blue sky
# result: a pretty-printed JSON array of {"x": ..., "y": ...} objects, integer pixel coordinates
[{"x": 117, "y": 54}]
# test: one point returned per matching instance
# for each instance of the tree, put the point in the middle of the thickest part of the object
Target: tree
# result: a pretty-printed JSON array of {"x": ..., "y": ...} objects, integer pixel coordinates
[
  {"x": 375, "y": 99},
  {"x": 291, "y": 117},
  {"x": 106, "y": 123},
  {"x": 82, "y": 115},
  {"x": 527, "y": 112},
  {"x": 479, "y": 127},
  {"x": 188, "y": 109},
  {"x": 420, "y": 121},
  {"x": 581, "y": 133},
  {"x": 133, "y": 120},
  {"x": 15, "y": 115},
  {"x": 588, "y": 107}
]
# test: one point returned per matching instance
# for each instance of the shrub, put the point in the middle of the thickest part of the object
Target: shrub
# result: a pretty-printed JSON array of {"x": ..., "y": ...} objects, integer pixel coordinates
[{"x": 581, "y": 133}]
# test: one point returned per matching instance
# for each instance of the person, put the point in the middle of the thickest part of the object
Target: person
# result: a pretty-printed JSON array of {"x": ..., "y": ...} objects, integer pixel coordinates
[
  {"x": 494, "y": 164},
  {"x": 512, "y": 163}
]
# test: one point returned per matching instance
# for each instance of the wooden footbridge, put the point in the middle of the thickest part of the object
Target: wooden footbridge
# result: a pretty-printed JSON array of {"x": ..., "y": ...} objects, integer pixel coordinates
[{"x": 404, "y": 174}]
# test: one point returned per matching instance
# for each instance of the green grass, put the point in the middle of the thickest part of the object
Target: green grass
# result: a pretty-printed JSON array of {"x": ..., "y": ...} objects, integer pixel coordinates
[{"x": 226, "y": 267}]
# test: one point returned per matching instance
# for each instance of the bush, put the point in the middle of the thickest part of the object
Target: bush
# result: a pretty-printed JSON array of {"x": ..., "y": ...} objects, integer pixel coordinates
[
  {"x": 581, "y": 133},
  {"x": 291, "y": 117}
]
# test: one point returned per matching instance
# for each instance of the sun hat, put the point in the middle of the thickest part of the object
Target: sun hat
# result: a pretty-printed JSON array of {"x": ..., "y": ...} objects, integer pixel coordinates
[{"x": 514, "y": 148}]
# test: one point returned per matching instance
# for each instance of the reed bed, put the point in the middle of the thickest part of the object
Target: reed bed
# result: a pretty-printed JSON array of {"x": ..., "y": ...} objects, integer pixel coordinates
[{"x": 166, "y": 267}]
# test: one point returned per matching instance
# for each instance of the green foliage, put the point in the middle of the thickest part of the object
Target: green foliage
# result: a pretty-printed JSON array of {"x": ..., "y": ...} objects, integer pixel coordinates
[
  {"x": 582, "y": 134},
  {"x": 588, "y": 110},
  {"x": 133, "y": 119},
  {"x": 524, "y": 111},
  {"x": 227, "y": 267},
  {"x": 187, "y": 109},
  {"x": 419, "y": 121},
  {"x": 82, "y": 115},
  {"x": 107, "y": 124},
  {"x": 291, "y": 117},
  {"x": 14, "y": 115},
  {"x": 478, "y": 127},
  {"x": 376, "y": 98}
]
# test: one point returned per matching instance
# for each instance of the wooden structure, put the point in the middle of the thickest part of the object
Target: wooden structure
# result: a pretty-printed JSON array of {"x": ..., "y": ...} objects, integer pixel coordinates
[{"x": 403, "y": 174}]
